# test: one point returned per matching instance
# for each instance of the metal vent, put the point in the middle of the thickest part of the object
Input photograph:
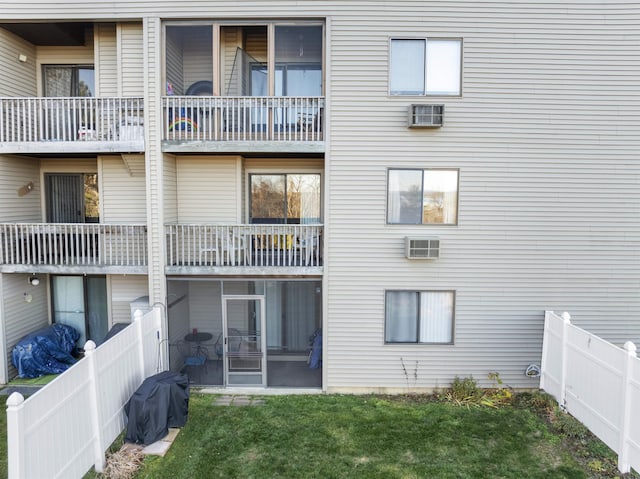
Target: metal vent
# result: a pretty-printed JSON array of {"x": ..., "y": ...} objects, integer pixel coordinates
[
  {"x": 422, "y": 248},
  {"x": 426, "y": 116}
]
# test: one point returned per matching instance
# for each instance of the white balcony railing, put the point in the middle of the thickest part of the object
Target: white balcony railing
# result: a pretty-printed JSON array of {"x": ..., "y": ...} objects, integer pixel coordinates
[
  {"x": 244, "y": 245},
  {"x": 29, "y": 120},
  {"x": 280, "y": 119},
  {"x": 73, "y": 244}
]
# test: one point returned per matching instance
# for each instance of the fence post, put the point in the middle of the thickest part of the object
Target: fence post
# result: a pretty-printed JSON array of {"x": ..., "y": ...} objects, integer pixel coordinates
[
  {"x": 566, "y": 322},
  {"x": 137, "y": 319},
  {"x": 16, "y": 453},
  {"x": 623, "y": 450},
  {"x": 99, "y": 447}
]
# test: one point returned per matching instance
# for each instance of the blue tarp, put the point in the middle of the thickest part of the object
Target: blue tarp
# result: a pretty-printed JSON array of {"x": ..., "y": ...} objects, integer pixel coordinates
[
  {"x": 315, "y": 358},
  {"x": 47, "y": 351}
]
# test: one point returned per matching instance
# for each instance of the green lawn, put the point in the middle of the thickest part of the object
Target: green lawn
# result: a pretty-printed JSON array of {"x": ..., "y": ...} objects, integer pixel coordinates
[
  {"x": 336, "y": 436},
  {"x": 328, "y": 436}
]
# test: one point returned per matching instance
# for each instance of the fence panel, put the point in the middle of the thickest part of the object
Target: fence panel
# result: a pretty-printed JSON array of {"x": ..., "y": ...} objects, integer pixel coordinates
[
  {"x": 65, "y": 428},
  {"x": 597, "y": 382}
]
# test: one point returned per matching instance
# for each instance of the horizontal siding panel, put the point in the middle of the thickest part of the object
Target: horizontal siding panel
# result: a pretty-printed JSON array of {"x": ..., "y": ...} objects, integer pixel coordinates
[
  {"x": 123, "y": 189},
  {"x": 21, "y": 317},
  {"x": 16, "y": 172},
  {"x": 16, "y": 78},
  {"x": 545, "y": 137},
  {"x": 106, "y": 75},
  {"x": 124, "y": 290},
  {"x": 131, "y": 59},
  {"x": 208, "y": 189}
]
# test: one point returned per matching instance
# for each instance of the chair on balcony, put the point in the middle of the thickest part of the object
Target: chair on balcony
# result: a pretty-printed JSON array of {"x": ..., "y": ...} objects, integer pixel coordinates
[
  {"x": 309, "y": 250},
  {"x": 209, "y": 252}
]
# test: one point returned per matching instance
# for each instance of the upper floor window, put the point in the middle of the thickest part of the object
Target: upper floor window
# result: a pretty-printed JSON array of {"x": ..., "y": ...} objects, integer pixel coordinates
[
  {"x": 285, "y": 198},
  {"x": 425, "y": 66},
  {"x": 68, "y": 80},
  {"x": 419, "y": 317},
  {"x": 422, "y": 196}
]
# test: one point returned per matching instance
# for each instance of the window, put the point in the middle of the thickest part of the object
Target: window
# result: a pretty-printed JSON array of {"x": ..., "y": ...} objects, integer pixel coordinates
[
  {"x": 419, "y": 317},
  {"x": 425, "y": 66},
  {"x": 68, "y": 80},
  {"x": 422, "y": 196},
  {"x": 72, "y": 198},
  {"x": 285, "y": 198}
]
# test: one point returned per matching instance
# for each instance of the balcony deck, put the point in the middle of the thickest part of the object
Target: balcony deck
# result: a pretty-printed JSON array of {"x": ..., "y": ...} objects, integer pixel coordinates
[
  {"x": 239, "y": 124},
  {"x": 191, "y": 124},
  {"x": 73, "y": 248},
  {"x": 253, "y": 249},
  {"x": 190, "y": 249},
  {"x": 71, "y": 125}
]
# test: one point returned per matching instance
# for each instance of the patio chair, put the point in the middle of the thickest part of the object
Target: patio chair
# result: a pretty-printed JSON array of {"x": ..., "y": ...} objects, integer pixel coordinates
[{"x": 195, "y": 358}]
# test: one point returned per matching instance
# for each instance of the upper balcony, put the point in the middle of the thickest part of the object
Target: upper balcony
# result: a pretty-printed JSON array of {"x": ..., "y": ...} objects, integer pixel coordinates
[
  {"x": 278, "y": 249},
  {"x": 231, "y": 124},
  {"x": 71, "y": 125},
  {"x": 73, "y": 248},
  {"x": 255, "y": 86}
]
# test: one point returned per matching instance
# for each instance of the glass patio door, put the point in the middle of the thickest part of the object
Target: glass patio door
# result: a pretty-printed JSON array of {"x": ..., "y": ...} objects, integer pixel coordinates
[{"x": 245, "y": 345}]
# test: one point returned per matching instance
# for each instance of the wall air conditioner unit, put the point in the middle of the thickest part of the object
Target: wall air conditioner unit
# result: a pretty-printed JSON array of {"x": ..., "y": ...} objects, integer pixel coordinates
[
  {"x": 426, "y": 116},
  {"x": 422, "y": 247}
]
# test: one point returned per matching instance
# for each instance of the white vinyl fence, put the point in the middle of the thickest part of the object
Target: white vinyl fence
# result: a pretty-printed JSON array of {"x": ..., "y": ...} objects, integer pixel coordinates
[
  {"x": 66, "y": 427},
  {"x": 596, "y": 382}
]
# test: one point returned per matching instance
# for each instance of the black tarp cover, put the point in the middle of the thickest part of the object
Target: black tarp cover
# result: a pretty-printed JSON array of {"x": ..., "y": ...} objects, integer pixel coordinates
[
  {"x": 161, "y": 402},
  {"x": 46, "y": 351}
]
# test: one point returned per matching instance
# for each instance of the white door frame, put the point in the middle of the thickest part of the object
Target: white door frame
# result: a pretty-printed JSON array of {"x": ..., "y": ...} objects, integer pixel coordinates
[{"x": 260, "y": 298}]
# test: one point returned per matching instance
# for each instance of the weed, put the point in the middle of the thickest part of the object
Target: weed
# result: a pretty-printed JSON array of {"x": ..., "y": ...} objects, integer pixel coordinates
[
  {"x": 414, "y": 375},
  {"x": 466, "y": 391}
]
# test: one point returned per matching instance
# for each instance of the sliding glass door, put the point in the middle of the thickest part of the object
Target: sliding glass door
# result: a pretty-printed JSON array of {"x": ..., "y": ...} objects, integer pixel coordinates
[{"x": 81, "y": 302}]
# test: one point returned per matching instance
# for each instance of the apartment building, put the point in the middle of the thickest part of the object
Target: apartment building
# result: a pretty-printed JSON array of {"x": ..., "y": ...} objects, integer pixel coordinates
[{"x": 406, "y": 185}]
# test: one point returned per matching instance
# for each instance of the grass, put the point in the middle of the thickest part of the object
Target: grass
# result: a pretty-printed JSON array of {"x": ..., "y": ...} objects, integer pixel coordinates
[
  {"x": 365, "y": 437},
  {"x": 336, "y": 436}
]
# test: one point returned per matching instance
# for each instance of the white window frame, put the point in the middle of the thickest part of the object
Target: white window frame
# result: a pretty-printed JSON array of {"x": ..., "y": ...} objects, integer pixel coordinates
[
  {"x": 422, "y": 172},
  {"x": 427, "y": 67},
  {"x": 421, "y": 318}
]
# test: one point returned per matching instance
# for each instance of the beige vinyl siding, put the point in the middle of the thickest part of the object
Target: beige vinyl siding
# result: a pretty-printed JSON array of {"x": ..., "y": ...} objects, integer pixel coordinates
[
  {"x": 106, "y": 53},
  {"x": 16, "y": 78},
  {"x": 170, "y": 189},
  {"x": 122, "y": 189},
  {"x": 545, "y": 137},
  {"x": 124, "y": 290},
  {"x": 130, "y": 55},
  {"x": 18, "y": 316},
  {"x": 69, "y": 165},
  {"x": 15, "y": 173},
  {"x": 208, "y": 189}
]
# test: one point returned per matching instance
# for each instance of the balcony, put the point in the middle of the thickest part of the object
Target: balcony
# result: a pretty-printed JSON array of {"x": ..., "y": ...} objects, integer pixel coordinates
[
  {"x": 71, "y": 125},
  {"x": 73, "y": 248},
  {"x": 237, "y": 124},
  {"x": 244, "y": 249}
]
